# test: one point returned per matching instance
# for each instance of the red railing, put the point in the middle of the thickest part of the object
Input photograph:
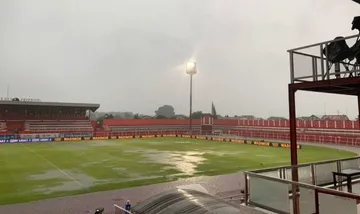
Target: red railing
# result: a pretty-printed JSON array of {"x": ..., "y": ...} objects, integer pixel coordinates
[
  {"x": 231, "y": 122},
  {"x": 281, "y": 136}
]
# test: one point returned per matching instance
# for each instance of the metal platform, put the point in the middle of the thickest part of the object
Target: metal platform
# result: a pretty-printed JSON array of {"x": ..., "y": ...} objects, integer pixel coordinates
[
  {"x": 344, "y": 86},
  {"x": 311, "y": 70},
  {"x": 332, "y": 67},
  {"x": 314, "y": 192}
]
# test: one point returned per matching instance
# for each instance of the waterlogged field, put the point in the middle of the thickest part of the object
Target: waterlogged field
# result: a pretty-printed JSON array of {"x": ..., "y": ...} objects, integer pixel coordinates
[{"x": 36, "y": 171}]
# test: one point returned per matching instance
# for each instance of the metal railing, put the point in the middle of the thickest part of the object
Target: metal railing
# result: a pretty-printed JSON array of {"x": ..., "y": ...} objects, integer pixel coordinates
[
  {"x": 309, "y": 64},
  {"x": 273, "y": 189}
]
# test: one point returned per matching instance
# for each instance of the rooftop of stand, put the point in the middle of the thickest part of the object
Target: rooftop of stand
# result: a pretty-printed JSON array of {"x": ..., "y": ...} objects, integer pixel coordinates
[{"x": 92, "y": 107}]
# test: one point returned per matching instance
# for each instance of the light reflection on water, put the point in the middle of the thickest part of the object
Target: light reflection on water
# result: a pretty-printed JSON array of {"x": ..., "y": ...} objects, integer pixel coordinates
[{"x": 186, "y": 162}]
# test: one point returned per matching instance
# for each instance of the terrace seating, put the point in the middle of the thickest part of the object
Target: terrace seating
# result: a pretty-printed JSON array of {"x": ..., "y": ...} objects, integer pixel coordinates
[
  {"x": 3, "y": 127},
  {"x": 62, "y": 125},
  {"x": 152, "y": 128}
]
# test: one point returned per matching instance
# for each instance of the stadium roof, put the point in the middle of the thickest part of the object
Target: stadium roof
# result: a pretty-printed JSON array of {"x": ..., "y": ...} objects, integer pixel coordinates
[
  {"x": 182, "y": 201},
  {"x": 92, "y": 107}
]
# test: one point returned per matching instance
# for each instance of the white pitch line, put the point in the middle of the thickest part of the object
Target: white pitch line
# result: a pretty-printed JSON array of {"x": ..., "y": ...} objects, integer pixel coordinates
[{"x": 62, "y": 171}]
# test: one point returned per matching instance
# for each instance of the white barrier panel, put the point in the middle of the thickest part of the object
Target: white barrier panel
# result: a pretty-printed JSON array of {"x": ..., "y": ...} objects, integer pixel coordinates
[
  {"x": 307, "y": 202},
  {"x": 42, "y": 135},
  {"x": 269, "y": 194},
  {"x": 331, "y": 204}
]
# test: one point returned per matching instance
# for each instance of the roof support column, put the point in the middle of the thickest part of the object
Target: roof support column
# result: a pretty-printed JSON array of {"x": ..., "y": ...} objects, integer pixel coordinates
[
  {"x": 358, "y": 119},
  {"x": 293, "y": 148}
]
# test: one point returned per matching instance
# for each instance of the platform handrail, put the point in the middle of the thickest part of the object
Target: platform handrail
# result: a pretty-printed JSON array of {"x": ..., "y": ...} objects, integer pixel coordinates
[
  {"x": 303, "y": 165},
  {"x": 293, "y": 191},
  {"x": 321, "y": 43},
  {"x": 308, "y": 186}
]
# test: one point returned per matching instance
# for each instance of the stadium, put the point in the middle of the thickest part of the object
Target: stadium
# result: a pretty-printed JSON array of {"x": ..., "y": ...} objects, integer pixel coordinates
[
  {"x": 55, "y": 159},
  {"x": 144, "y": 160}
]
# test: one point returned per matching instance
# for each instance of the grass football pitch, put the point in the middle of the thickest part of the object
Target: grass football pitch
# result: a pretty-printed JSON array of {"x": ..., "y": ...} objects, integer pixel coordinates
[{"x": 37, "y": 171}]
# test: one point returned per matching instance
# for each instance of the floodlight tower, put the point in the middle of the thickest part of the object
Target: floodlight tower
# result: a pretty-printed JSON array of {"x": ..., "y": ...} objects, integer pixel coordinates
[{"x": 191, "y": 70}]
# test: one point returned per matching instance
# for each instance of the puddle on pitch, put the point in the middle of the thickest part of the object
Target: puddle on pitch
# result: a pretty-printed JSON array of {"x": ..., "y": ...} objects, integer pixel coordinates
[
  {"x": 264, "y": 155},
  {"x": 183, "y": 142},
  {"x": 185, "y": 162},
  {"x": 92, "y": 163},
  {"x": 226, "y": 153},
  {"x": 155, "y": 142},
  {"x": 68, "y": 181}
]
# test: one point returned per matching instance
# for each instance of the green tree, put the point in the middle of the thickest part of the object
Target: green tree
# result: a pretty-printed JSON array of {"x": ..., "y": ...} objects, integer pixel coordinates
[
  {"x": 196, "y": 115},
  {"x": 165, "y": 111}
]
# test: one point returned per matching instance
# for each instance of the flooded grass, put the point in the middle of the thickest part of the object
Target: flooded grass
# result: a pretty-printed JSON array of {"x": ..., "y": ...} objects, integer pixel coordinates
[{"x": 46, "y": 170}]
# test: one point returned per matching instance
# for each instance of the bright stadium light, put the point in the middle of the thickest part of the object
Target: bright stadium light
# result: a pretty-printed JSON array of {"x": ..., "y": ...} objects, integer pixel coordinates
[{"x": 191, "y": 68}]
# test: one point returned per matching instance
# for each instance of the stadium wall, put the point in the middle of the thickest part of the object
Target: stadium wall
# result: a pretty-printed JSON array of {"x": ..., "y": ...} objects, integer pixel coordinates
[
  {"x": 320, "y": 131},
  {"x": 325, "y": 124},
  {"x": 337, "y": 132}
]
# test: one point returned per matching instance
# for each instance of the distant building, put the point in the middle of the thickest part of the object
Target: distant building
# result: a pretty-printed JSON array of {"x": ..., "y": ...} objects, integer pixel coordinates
[
  {"x": 325, "y": 117},
  {"x": 181, "y": 117},
  {"x": 145, "y": 117},
  {"x": 276, "y": 118},
  {"x": 230, "y": 118},
  {"x": 246, "y": 117},
  {"x": 312, "y": 117},
  {"x": 335, "y": 117}
]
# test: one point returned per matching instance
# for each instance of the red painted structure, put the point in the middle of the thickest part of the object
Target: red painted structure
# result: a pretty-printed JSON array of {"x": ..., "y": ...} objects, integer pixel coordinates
[
  {"x": 148, "y": 122},
  {"x": 316, "y": 124},
  {"x": 207, "y": 122},
  {"x": 14, "y": 115},
  {"x": 339, "y": 132},
  {"x": 323, "y": 74},
  {"x": 345, "y": 138}
]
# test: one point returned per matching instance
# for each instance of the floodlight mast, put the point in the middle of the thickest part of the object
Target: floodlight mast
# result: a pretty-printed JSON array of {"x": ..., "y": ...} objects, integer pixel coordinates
[{"x": 191, "y": 70}]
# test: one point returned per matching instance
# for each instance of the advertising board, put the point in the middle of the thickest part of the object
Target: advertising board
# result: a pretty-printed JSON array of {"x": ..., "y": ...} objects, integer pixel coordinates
[
  {"x": 169, "y": 135},
  {"x": 125, "y": 137},
  {"x": 259, "y": 143},
  {"x": 147, "y": 136},
  {"x": 100, "y": 138},
  {"x": 72, "y": 139}
]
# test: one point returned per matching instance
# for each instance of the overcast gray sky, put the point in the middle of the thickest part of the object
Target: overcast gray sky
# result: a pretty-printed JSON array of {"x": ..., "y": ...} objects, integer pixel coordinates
[{"x": 129, "y": 55}]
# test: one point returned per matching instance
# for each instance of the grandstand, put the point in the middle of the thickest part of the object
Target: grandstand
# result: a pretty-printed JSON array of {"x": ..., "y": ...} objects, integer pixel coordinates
[
  {"x": 26, "y": 117},
  {"x": 62, "y": 126},
  {"x": 150, "y": 125}
]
